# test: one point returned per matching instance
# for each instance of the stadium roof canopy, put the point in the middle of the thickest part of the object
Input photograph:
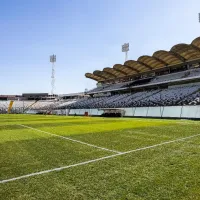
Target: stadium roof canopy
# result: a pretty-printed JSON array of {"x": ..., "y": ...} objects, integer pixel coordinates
[{"x": 179, "y": 54}]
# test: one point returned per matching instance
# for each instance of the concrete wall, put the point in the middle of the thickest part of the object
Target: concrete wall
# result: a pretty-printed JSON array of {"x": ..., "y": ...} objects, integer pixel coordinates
[
  {"x": 155, "y": 111},
  {"x": 172, "y": 111},
  {"x": 165, "y": 112},
  {"x": 129, "y": 112},
  {"x": 141, "y": 112}
]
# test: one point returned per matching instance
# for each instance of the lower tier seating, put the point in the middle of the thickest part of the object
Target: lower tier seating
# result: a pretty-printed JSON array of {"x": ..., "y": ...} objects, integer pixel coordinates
[{"x": 179, "y": 95}]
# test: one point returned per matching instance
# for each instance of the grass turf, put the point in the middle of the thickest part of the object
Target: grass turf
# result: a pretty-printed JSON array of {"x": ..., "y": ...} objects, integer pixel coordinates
[{"x": 170, "y": 171}]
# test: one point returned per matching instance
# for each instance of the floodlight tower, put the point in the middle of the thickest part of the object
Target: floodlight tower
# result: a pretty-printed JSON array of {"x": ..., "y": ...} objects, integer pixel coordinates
[
  {"x": 199, "y": 17},
  {"x": 125, "y": 48},
  {"x": 53, "y": 60}
]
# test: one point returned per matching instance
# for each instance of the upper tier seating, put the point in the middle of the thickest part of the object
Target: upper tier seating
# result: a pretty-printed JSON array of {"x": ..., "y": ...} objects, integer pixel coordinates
[
  {"x": 110, "y": 87},
  {"x": 159, "y": 79},
  {"x": 178, "y": 75},
  {"x": 168, "y": 77},
  {"x": 193, "y": 72}
]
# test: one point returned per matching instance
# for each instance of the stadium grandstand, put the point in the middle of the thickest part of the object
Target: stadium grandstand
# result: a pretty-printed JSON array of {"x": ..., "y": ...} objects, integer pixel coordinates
[
  {"x": 166, "y": 84},
  {"x": 37, "y": 103},
  {"x": 150, "y": 83}
]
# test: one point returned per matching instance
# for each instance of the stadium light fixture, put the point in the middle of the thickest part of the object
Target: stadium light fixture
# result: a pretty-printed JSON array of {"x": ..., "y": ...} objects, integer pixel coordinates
[
  {"x": 125, "y": 48},
  {"x": 53, "y": 60}
]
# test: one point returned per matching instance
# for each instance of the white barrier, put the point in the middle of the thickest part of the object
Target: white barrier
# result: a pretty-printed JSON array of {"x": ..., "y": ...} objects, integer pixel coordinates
[
  {"x": 168, "y": 111},
  {"x": 59, "y": 112},
  {"x": 76, "y": 111},
  {"x": 197, "y": 113},
  {"x": 71, "y": 112},
  {"x": 81, "y": 111},
  {"x": 94, "y": 112},
  {"x": 129, "y": 112},
  {"x": 190, "y": 112},
  {"x": 155, "y": 111},
  {"x": 67, "y": 111},
  {"x": 31, "y": 112},
  {"x": 141, "y": 112},
  {"x": 100, "y": 112},
  {"x": 172, "y": 111}
]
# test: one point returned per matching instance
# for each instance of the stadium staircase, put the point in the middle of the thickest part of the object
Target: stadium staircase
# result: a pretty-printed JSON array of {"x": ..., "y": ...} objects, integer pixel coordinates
[
  {"x": 10, "y": 106},
  {"x": 30, "y": 106}
]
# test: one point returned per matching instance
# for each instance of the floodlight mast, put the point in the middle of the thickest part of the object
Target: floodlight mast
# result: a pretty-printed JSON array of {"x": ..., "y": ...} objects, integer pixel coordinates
[
  {"x": 53, "y": 60},
  {"x": 125, "y": 48},
  {"x": 199, "y": 17}
]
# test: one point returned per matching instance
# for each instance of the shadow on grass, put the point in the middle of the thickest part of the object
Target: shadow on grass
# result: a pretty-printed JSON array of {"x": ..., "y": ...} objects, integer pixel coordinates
[
  {"x": 32, "y": 155},
  {"x": 52, "y": 124}
]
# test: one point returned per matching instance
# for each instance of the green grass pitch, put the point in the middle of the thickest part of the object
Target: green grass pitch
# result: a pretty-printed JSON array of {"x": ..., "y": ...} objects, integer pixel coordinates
[{"x": 167, "y": 171}]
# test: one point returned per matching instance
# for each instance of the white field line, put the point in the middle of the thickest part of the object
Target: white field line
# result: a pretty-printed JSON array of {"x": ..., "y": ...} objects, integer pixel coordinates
[
  {"x": 95, "y": 160},
  {"x": 70, "y": 139}
]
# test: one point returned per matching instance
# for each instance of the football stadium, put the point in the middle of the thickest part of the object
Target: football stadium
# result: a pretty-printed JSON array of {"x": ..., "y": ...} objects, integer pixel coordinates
[
  {"x": 164, "y": 85},
  {"x": 135, "y": 136},
  {"x": 119, "y": 140}
]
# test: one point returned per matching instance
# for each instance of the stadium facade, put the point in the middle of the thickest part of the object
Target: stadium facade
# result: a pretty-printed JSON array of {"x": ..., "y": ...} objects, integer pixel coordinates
[{"x": 166, "y": 84}]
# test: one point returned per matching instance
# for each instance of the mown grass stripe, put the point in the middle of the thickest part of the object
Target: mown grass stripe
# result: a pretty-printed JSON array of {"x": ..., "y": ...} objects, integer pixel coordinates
[
  {"x": 70, "y": 139},
  {"x": 95, "y": 160}
]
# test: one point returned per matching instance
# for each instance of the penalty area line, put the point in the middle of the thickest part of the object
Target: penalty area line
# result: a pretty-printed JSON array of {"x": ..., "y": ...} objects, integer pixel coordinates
[
  {"x": 70, "y": 139},
  {"x": 95, "y": 160}
]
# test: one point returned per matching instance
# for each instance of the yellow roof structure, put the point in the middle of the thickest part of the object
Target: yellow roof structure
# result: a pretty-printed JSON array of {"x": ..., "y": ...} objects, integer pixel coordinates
[{"x": 179, "y": 54}]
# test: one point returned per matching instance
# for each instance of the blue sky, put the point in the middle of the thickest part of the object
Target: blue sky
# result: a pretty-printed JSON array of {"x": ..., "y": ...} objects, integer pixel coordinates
[{"x": 85, "y": 35}]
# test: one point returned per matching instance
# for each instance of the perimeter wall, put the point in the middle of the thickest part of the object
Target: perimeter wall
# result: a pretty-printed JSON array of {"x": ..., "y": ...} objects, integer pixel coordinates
[{"x": 157, "y": 112}]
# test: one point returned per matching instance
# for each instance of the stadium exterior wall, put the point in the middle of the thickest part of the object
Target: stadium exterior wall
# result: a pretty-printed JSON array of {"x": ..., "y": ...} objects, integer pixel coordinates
[{"x": 179, "y": 112}]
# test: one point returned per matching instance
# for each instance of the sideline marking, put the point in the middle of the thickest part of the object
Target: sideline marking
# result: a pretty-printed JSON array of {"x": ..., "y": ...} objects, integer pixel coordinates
[
  {"x": 73, "y": 140},
  {"x": 94, "y": 160}
]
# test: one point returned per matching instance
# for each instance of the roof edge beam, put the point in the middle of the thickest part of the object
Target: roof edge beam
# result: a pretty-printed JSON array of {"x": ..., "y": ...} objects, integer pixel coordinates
[{"x": 96, "y": 78}]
